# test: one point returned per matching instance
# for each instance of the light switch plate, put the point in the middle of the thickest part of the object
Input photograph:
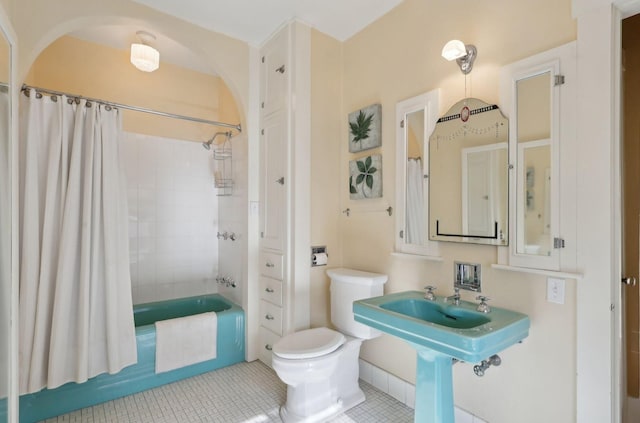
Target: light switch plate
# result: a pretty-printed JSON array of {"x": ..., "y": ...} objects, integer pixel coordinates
[{"x": 555, "y": 290}]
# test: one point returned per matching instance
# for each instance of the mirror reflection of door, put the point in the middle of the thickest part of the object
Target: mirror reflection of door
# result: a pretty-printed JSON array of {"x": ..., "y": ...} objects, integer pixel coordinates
[
  {"x": 533, "y": 181},
  {"x": 5, "y": 227},
  {"x": 483, "y": 188}
]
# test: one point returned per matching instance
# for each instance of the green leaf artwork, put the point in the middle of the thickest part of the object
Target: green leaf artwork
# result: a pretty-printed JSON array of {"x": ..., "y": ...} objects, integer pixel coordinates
[
  {"x": 361, "y": 127},
  {"x": 365, "y": 128},
  {"x": 367, "y": 176}
]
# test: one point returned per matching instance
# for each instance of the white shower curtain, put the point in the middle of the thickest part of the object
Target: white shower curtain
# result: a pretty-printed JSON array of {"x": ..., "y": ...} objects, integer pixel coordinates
[
  {"x": 416, "y": 216},
  {"x": 76, "y": 315}
]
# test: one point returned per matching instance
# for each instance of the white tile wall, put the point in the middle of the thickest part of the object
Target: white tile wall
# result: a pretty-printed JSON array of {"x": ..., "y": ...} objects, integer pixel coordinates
[
  {"x": 173, "y": 218},
  {"x": 404, "y": 392}
]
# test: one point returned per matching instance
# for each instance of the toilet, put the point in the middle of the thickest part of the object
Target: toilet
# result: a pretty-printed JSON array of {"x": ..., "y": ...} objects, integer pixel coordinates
[{"x": 320, "y": 365}]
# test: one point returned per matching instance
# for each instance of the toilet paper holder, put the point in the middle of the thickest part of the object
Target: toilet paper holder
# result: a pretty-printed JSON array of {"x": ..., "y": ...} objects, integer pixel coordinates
[{"x": 316, "y": 254}]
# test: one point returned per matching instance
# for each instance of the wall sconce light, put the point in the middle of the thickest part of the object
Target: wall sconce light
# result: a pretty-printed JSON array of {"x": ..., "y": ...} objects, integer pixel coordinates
[
  {"x": 143, "y": 56},
  {"x": 464, "y": 54}
]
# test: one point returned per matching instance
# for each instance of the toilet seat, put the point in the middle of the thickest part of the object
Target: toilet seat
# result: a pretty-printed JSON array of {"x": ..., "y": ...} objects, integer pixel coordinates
[{"x": 309, "y": 343}]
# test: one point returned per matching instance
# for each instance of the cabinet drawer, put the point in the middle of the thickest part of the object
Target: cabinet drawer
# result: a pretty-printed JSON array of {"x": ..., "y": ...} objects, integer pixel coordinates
[
  {"x": 267, "y": 341},
  {"x": 271, "y": 317},
  {"x": 271, "y": 290},
  {"x": 271, "y": 265}
]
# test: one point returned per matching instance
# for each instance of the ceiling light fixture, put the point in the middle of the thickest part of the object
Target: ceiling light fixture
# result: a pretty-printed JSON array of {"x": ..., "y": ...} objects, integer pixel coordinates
[
  {"x": 143, "y": 56},
  {"x": 464, "y": 54}
]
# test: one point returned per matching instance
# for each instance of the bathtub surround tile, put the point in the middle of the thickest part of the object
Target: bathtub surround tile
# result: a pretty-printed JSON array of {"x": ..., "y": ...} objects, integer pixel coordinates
[
  {"x": 175, "y": 211},
  {"x": 246, "y": 392}
]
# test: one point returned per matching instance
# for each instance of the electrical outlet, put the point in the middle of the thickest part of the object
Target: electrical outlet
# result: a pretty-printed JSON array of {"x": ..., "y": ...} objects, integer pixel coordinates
[{"x": 555, "y": 290}]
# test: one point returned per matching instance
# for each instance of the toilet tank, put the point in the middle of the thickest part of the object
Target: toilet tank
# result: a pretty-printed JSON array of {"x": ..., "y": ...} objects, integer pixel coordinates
[{"x": 347, "y": 286}]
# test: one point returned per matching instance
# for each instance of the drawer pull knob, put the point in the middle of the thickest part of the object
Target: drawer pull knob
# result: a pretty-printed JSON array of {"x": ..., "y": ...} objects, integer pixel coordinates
[
  {"x": 268, "y": 347},
  {"x": 270, "y": 290},
  {"x": 270, "y": 264},
  {"x": 269, "y": 317}
]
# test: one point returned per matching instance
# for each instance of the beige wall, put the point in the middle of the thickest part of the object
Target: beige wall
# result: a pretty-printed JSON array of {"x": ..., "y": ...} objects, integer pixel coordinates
[
  {"x": 398, "y": 57},
  {"x": 326, "y": 184},
  {"x": 84, "y": 68}
]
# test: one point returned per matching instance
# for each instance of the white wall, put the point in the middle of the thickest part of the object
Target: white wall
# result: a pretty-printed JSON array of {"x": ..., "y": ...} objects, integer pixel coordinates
[{"x": 173, "y": 218}]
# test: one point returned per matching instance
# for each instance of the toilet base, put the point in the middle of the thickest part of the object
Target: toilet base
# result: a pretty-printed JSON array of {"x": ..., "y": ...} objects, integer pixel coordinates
[{"x": 340, "y": 406}]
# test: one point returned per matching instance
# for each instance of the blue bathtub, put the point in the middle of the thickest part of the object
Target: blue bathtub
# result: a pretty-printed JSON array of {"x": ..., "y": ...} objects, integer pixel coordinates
[{"x": 141, "y": 376}]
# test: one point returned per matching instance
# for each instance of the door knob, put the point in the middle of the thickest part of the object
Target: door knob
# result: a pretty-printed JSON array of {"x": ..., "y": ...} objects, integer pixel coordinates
[{"x": 630, "y": 281}]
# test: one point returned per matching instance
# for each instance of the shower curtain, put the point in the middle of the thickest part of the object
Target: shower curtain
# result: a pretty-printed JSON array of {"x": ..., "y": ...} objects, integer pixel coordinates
[
  {"x": 76, "y": 318},
  {"x": 415, "y": 203}
]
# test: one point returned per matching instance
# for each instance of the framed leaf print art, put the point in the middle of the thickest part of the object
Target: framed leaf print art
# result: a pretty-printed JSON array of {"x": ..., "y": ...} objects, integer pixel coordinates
[
  {"x": 365, "y": 177},
  {"x": 365, "y": 128}
]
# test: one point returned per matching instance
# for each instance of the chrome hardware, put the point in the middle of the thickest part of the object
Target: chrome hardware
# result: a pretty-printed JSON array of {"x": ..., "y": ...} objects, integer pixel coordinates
[
  {"x": 467, "y": 276},
  {"x": 269, "y": 290},
  {"x": 280, "y": 180},
  {"x": 270, "y": 265},
  {"x": 455, "y": 297},
  {"x": 226, "y": 280},
  {"x": 280, "y": 69},
  {"x": 483, "y": 306},
  {"x": 269, "y": 317},
  {"x": 347, "y": 211},
  {"x": 224, "y": 235},
  {"x": 401, "y": 234},
  {"x": 494, "y": 360},
  {"x": 558, "y": 243},
  {"x": 232, "y": 236},
  {"x": 268, "y": 347},
  {"x": 558, "y": 80},
  {"x": 428, "y": 295}
]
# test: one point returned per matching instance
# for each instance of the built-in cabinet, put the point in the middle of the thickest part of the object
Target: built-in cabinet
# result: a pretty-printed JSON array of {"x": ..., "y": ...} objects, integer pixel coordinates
[
  {"x": 538, "y": 93},
  {"x": 283, "y": 286}
]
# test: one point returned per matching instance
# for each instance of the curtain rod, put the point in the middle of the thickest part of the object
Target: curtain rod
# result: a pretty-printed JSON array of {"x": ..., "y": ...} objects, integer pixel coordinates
[{"x": 237, "y": 127}]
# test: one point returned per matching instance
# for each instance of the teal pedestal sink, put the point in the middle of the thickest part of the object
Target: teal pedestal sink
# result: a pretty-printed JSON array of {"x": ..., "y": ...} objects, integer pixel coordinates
[{"x": 441, "y": 331}]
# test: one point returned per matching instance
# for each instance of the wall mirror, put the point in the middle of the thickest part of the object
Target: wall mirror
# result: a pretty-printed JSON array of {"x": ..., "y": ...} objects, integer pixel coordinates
[
  {"x": 5, "y": 222},
  {"x": 469, "y": 174},
  {"x": 415, "y": 120}
]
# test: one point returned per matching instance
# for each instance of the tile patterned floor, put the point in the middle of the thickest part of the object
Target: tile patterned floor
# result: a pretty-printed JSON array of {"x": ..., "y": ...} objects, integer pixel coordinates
[{"x": 243, "y": 393}]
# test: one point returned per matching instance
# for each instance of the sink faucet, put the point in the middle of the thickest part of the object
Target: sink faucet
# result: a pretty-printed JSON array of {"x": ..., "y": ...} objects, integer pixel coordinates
[
  {"x": 455, "y": 297},
  {"x": 428, "y": 295}
]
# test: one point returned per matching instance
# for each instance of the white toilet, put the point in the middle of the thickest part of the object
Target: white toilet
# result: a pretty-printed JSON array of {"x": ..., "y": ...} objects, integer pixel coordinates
[{"x": 320, "y": 365}]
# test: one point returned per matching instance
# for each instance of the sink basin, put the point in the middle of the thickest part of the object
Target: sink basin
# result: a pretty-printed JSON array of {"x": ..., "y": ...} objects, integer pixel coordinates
[
  {"x": 430, "y": 311},
  {"x": 458, "y": 331},
  {"x": 440, "y": 331}
]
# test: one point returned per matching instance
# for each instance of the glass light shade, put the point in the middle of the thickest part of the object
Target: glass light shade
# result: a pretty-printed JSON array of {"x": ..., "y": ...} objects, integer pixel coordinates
[
  {"x": 454, "y": 49},
  {"x": 144, "y": 57}
]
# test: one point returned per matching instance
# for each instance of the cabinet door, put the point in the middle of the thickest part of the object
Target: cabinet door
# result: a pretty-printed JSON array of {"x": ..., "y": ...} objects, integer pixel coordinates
[
  {"x": 542, "y": 156},
  {"x": 273, "y": 182},
  {"x": 274, "y": 75}
]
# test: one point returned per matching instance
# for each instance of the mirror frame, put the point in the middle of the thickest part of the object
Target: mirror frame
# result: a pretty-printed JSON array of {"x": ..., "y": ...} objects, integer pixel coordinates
[
  {"x": 455, "y": 115},
  {"x": 429, "y": 102}
]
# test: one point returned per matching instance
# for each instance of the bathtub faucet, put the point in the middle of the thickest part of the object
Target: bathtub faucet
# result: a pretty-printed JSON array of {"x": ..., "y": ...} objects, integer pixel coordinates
[{"x": 226, "y": 280}]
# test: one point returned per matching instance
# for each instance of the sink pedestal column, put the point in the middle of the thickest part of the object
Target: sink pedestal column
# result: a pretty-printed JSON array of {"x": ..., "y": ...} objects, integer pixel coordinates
[{"x": 434, "y": 387}]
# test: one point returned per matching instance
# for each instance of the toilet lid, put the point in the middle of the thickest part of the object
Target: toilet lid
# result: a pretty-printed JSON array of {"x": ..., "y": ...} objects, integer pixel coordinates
[{"x": 308, "y": 343}]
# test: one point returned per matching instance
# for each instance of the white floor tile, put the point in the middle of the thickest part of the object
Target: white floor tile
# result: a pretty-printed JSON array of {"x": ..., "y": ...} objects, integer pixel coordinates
[{"x": 243, "y": 393}]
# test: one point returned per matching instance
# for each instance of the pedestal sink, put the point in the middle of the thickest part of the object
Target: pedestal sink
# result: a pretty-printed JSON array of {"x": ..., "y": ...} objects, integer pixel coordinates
[{"x": 440, "y": 332}]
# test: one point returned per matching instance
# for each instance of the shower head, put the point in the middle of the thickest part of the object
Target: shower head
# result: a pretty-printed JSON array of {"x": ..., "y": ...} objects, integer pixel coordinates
[{"x": 207, "y": 144}]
